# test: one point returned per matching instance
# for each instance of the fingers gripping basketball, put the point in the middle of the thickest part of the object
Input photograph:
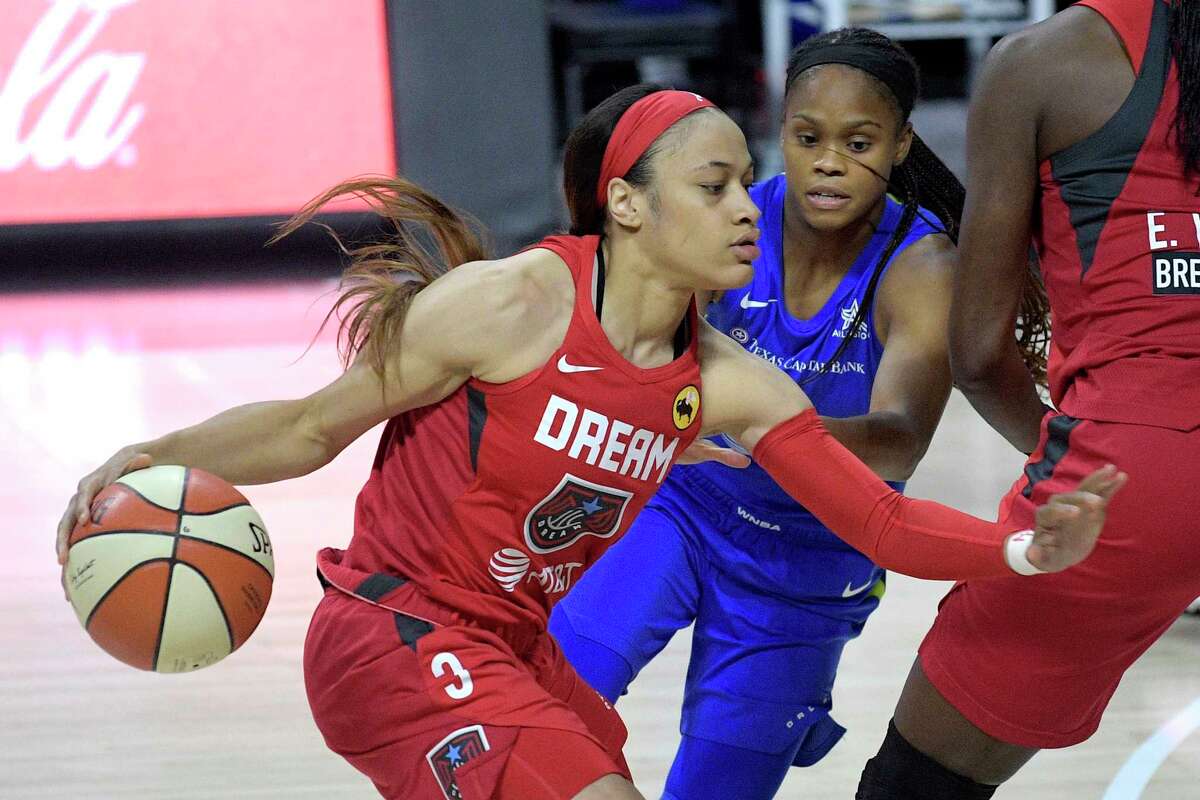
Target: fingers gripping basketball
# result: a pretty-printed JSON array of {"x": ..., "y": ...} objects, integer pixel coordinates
[{"x": 172, "y": 571}]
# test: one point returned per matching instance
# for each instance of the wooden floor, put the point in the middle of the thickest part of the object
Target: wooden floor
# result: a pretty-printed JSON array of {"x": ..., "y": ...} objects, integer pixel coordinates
[{"x": 81, "y": 375}]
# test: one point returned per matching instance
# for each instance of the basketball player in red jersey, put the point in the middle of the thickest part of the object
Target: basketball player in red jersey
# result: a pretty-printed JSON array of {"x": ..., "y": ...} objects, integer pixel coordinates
[
  {"x": 1085, "y": 135},
  {"x": 535, "y": 404}
]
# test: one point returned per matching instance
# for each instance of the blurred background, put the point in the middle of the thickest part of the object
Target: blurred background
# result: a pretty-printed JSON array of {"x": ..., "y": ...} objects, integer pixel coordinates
[
  {"x": 144, "y": 141},
  {"x": 147, "y": 149}
]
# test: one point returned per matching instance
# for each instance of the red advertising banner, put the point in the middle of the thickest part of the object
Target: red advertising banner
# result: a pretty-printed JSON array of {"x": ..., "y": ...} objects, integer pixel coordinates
[{"x": 150, "y": 109}]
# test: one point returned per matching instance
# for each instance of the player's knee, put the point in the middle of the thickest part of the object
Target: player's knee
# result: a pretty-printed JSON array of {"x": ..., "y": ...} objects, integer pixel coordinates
[{"x": 900, "y": 771}]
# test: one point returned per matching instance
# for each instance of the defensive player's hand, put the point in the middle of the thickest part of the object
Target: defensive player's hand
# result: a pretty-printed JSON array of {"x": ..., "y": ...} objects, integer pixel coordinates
[
  {"x": 704, "y": 450},
  {"x": 1069, "y": 524},
  {"x": 79, "y": 506}
]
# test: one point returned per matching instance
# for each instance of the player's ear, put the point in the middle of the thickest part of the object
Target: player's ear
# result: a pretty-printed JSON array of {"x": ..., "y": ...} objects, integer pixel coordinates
[{"x": 626, "y": 204}]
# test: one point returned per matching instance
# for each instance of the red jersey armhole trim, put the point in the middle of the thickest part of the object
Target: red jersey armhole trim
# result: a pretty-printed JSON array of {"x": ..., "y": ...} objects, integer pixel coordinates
[{"x": 1131, "y": 23}]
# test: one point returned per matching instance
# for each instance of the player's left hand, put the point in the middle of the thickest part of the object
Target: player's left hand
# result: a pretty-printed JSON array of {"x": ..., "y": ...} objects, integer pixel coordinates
[
  {"x": 1069, "y": 524},
  {"x": 704, "y": 450}
]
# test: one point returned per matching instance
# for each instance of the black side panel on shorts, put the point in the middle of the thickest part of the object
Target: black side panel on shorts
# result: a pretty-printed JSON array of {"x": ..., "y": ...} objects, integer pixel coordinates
[
  {"x": 1092, "y": 172},
  {"x": 411, "y": 629},
  {"x": 1057, "y": 444},
  {"x": 377, "y": 585},
  {"x": 476, "y": 419}
]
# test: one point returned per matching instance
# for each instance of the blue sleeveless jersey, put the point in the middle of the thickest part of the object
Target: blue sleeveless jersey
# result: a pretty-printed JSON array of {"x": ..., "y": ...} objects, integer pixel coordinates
[{"x": 756, "y": 316}]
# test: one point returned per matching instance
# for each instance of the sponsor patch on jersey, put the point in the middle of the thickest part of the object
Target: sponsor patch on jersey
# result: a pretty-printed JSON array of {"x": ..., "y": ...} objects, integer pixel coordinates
[
  {"x": 452, "y": 752},
  {"x": 686, "y": 408},
  {"x": 575, "y": 508},
  {"x": 509, "y": 567},
  {"x": 1175, "y": 273}
]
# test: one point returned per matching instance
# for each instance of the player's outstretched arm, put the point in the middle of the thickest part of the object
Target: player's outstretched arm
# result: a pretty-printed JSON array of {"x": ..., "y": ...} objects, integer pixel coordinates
[
  {"x": 469, "y": 322},
  {"x": 769, "y": 415}
]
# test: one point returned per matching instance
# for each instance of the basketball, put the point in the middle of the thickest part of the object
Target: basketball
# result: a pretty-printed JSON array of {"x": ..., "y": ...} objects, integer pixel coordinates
[{"x": 172, "y": 571}]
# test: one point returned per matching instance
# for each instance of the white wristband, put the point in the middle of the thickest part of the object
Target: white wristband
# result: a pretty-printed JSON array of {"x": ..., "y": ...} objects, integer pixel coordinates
[{"x": 1015, "y": 548}]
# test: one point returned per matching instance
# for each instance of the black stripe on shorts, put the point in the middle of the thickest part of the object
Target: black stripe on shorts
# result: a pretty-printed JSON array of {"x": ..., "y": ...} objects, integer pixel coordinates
[
  {"x": 377, "y": 585},
  {"x": 411, "y": 629},
  {"x": 1058, "y": 441}
]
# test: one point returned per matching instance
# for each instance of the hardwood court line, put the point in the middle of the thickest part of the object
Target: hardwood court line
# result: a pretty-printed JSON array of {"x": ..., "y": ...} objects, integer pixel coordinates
[{"x": 1135, "y": 774}]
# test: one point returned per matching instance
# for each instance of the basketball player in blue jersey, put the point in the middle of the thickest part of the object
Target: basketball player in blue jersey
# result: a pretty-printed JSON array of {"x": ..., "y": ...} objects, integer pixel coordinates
[{"x": 849, "y": 298}]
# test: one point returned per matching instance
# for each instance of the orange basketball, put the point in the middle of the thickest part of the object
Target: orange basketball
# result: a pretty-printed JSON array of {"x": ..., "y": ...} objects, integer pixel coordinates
[{"x": 173, "y": 570}]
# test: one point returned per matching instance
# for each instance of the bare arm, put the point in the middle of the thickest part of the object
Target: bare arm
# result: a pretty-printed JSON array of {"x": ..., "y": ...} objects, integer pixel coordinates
[
  {"x": 761, "y": 407},
  {"x": 472, "y": 321},
  {"x": 913, "y": 381},
  {"x": 1002, "y": 187}
]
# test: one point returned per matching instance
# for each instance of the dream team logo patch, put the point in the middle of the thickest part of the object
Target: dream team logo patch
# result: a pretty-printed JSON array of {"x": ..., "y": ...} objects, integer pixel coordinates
[
  {"x": 576, "y": 508},
  {"x": 452, "y": 752},
  {"x": 686, "y": 408}
]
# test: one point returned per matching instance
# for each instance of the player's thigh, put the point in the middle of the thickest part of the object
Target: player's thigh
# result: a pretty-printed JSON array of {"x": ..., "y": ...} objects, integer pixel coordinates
[
  {"x": 427, "y": 711},
  {"x": 610, "y": 787},
  {"x": 761, "y": 645},
  {"x": 761, "y": 673},
  {"x": 1070, "y": 635},
  {"x": 556, "y": 765},
  {"x": 634, "y": 599}
]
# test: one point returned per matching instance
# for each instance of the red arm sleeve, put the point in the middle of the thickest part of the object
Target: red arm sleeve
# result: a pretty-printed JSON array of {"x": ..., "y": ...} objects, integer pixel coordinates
[{"x": 916, "y": 537}]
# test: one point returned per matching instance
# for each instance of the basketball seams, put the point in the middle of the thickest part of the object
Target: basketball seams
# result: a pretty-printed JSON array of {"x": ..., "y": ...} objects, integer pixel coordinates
[
  {"x": 124, "y": 530},
  {"x": 227, "y": 549},
  {"x": 216, "y": 510},
  {"x": 216, "y": 598},
  {"x": 181, "y": 633},
  {"x": 124, "y": 575},
  {"x": 187, "y": 474},
  {"x": 151, "y": 502}
]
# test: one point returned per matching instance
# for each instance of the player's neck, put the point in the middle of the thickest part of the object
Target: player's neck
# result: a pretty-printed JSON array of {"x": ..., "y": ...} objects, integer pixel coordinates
[{"x": 641, "y": 312}]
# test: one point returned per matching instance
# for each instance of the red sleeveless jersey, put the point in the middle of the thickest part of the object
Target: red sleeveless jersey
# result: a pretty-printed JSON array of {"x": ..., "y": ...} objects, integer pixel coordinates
[
  {"x": 1119, "y": 241},
  {"x": 494, "y": 500}
]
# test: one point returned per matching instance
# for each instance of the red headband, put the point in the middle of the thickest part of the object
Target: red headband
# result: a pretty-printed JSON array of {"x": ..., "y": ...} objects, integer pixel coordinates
[{"x": 639, "y": 126}]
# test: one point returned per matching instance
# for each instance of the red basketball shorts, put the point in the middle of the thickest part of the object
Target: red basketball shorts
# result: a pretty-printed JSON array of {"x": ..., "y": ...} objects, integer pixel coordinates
[
  {"x": 448, "y": 711},
  {"x": 1033, "y": 661}
]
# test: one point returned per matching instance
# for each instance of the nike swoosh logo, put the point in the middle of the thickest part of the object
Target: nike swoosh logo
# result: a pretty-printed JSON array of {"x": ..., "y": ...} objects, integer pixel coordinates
[
  {"x": 565, "y": 366},
  {"x": 748, "y": 303},
  {"x": 850, "y": 591}
]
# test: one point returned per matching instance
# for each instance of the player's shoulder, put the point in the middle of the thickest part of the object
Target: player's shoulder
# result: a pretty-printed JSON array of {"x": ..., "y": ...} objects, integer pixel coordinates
[
  {"x": 498, "y": 318},
  {"x": 919, "y": 278},
  {"x": 932, "y": 257},
  {"x": 725, "y": 365},
  {"x": 528, "y": 288},
  {"x": 1049, "y": 47}
]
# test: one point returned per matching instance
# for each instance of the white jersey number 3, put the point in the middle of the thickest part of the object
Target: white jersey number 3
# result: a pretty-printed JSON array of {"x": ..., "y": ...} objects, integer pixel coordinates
[{"x": 464, "y": 687}]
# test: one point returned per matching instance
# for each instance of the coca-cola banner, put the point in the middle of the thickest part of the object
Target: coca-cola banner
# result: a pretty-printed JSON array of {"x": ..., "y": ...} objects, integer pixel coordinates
[{"x": 149, "y": 109}]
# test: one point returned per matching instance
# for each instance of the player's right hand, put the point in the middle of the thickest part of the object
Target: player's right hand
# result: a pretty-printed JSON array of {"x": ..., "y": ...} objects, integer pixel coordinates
[
  {"x": 1069, "y": 524},
  {"x": 80, "y": 506}
]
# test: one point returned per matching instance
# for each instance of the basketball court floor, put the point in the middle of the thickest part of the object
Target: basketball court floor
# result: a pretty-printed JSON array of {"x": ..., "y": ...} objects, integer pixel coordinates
[{"x": 82, "y": 374}]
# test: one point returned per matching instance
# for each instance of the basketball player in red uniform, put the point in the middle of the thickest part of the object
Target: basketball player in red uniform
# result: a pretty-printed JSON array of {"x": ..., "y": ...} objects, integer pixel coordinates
[
  {"x": 1085, "y": 135},
  {"x": 535, "y": 404}
]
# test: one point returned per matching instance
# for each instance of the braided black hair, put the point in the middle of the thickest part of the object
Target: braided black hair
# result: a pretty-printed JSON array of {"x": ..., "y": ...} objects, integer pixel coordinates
[
  {"x": 921, "y": 180},
  {"x": 1184, "y": 32}
]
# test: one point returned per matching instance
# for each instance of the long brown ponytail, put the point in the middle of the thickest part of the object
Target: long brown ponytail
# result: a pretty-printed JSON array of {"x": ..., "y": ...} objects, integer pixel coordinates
[{"x": 378, "y": 286}]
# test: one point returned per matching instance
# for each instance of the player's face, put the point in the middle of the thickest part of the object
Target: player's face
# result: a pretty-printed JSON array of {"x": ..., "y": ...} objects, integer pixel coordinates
[
  {"x": 703, "y": 224},
  {"x": 841, "y": 138}
]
